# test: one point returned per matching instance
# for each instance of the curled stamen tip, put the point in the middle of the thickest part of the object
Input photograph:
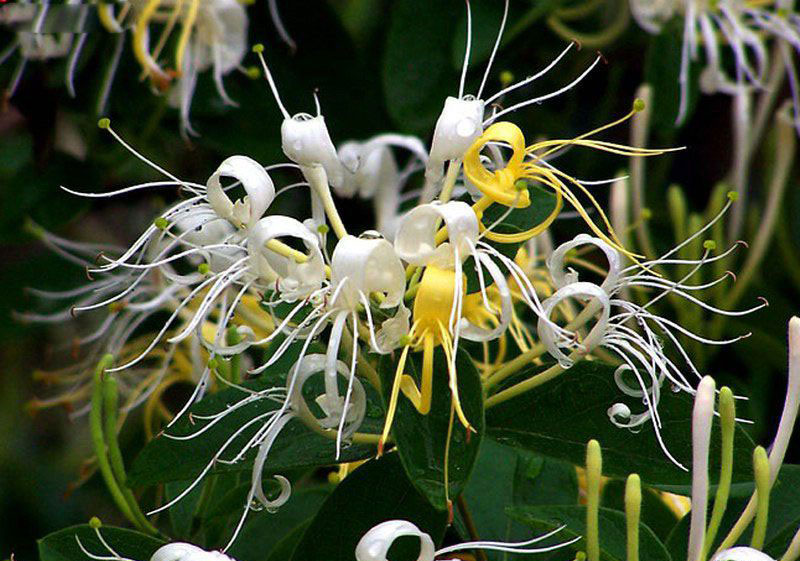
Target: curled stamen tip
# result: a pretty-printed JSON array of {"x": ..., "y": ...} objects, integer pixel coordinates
[
  {"x": 89, "y": 274},
  {"x": 72, "y": 312},
  {"x": 98, "y": 257},
  {"x": 258, "y": 48},
  {"x": 732, "y": 274},
  {"x": 764, "y": 300},
  {"x": 602, "y": 57},
  {"x": 577, "y": 44},
  {"x": 744, "y": 243},
  {"x": 95, "y": 523},
  {"x": 638, "y": 104}
]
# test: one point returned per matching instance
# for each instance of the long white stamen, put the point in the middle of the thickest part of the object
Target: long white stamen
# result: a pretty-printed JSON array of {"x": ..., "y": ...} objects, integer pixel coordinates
[{"x": 467, "y": 50}]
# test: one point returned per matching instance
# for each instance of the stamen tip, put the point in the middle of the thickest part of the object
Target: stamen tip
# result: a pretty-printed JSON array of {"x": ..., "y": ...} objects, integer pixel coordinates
[
  {"x": 258, "y": 48},
  {"x": 638, "y": 104},
  {"x": 104, "y": 123},
  {"x": 95, "y": 523},
  {"x": 733, "y": 196},
  {"x": 710, "y": 245}
]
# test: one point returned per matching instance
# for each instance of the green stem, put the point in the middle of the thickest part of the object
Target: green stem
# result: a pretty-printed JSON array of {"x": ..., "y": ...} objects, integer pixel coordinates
[{"x": 529, "y": 384}]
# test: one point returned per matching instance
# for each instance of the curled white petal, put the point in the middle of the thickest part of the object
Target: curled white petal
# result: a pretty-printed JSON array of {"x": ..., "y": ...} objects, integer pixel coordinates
[
  {"x": 354, "y": 416},
  {"x": 306, "y": 141},
  {"x": 297, "y": 280},
  {"x": 366, "y": 266},
  {"x": 562, "y": 277},
  {"x": 546, "y": 331},
  {"x": 652, "y": 14},
  {"x": 260, "y": 190},
  {"x": 415, "y": 241},
  {"x": 472, "y": 332},
  {"x": 180, "y": 551},
  {"x": 201, "y": 229},
  {"x": 375, "y": 544}
]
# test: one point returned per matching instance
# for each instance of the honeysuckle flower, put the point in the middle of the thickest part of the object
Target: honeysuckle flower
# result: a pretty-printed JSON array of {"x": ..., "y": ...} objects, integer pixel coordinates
[
  {"x": 630, "y": 330},
  {"x": 742, "y": 26},
  {"x": 462, "y": 119},
  {"x": 218, "y": 42},
  {"x": 372, "y": 172},
  {"x": 375, "y": 544},
  {"x": 269, "y": 425}
]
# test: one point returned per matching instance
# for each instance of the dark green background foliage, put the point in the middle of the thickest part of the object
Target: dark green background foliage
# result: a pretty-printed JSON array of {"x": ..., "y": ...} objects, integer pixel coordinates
[{"x": 378, "y": 66}]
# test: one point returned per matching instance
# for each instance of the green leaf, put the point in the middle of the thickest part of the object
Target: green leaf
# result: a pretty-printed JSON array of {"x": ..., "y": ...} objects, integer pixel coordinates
[
  {"x": 182, "y": 515},
  {"x": 611, "y": 528},
  {"x": 164, "y": 459},
  {"x": 63, "y": 545},
  {"x": 506, "y": 476},
  {"x": 375, "y": 492},
  {"x": 286, "y": 546},
  {"x": 421, "y": 439},
  {"x": 560, "y": 417},
  {"x": 417, "y": 74}
]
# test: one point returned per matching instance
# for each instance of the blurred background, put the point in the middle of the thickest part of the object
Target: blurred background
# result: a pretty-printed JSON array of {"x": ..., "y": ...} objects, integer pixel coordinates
[{"x": 377, "y": 66}]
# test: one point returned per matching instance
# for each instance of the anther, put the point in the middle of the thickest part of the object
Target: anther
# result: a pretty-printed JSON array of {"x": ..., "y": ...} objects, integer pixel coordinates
[
  {"x": 253, "y": 72},
  {"x": 161, "y": 223},
  {"x": 733, "y": 196},
  {"x": 323, "y": 229},
  {"x": 94, "y": 522},
  {"x": 638, "y": 104},
  {"x": 104, "y": 123},
  {"x": 710, "y": 245},
  {"x": 203, "y": 268},
  {"x": 646, "y": 214},
  {"x": 258, "y": 48}
]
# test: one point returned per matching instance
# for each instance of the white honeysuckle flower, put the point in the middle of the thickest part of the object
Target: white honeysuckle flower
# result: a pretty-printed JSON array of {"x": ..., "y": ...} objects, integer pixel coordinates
[
  {"x": 256, "y": 182},
  {"x": 741, "y": 553},
  {"x": 375, "y": 544},
  {"x": 218, "y": 42},
  {"x": 181, "y": 551},
  {"x": 631, "y": 330},
  {"x": 702, "y": 421},
  {"x": 295, "y": 280}
]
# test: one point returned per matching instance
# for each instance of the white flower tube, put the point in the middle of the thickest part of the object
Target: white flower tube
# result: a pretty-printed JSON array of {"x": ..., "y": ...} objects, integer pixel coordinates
[
  {"x": 366, "y": 266},
  {"x": 367, "y": 162},
  {"x": 181, "y": 551},
  {"x": 563, "y": 276},
  {"x": 296, "y": 280},
  {"x": 548, "y": 334},
  {"x": 415, "y": 241},
  {"x": 244, "y": 213},
  {"x": 458, "y": 126},
  {"x": 702, "y": 419}
]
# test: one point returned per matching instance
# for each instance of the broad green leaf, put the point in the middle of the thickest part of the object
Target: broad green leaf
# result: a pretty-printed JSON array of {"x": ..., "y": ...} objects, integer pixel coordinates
[
  {"x": 558, "y": 418},
  {"x": 505, "y": 476},
  {"x": 375, "y": 492},
  {"x": 182, "y": 515},
  {"x": 417, "y": 73},
  {"x": 612, "y": 530},
  {"x": 288, "y": 543},
  {"x": 783, "y": 520},
  {"x": 63, "y": 545},
  {"x": 421, "y": 439}
]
